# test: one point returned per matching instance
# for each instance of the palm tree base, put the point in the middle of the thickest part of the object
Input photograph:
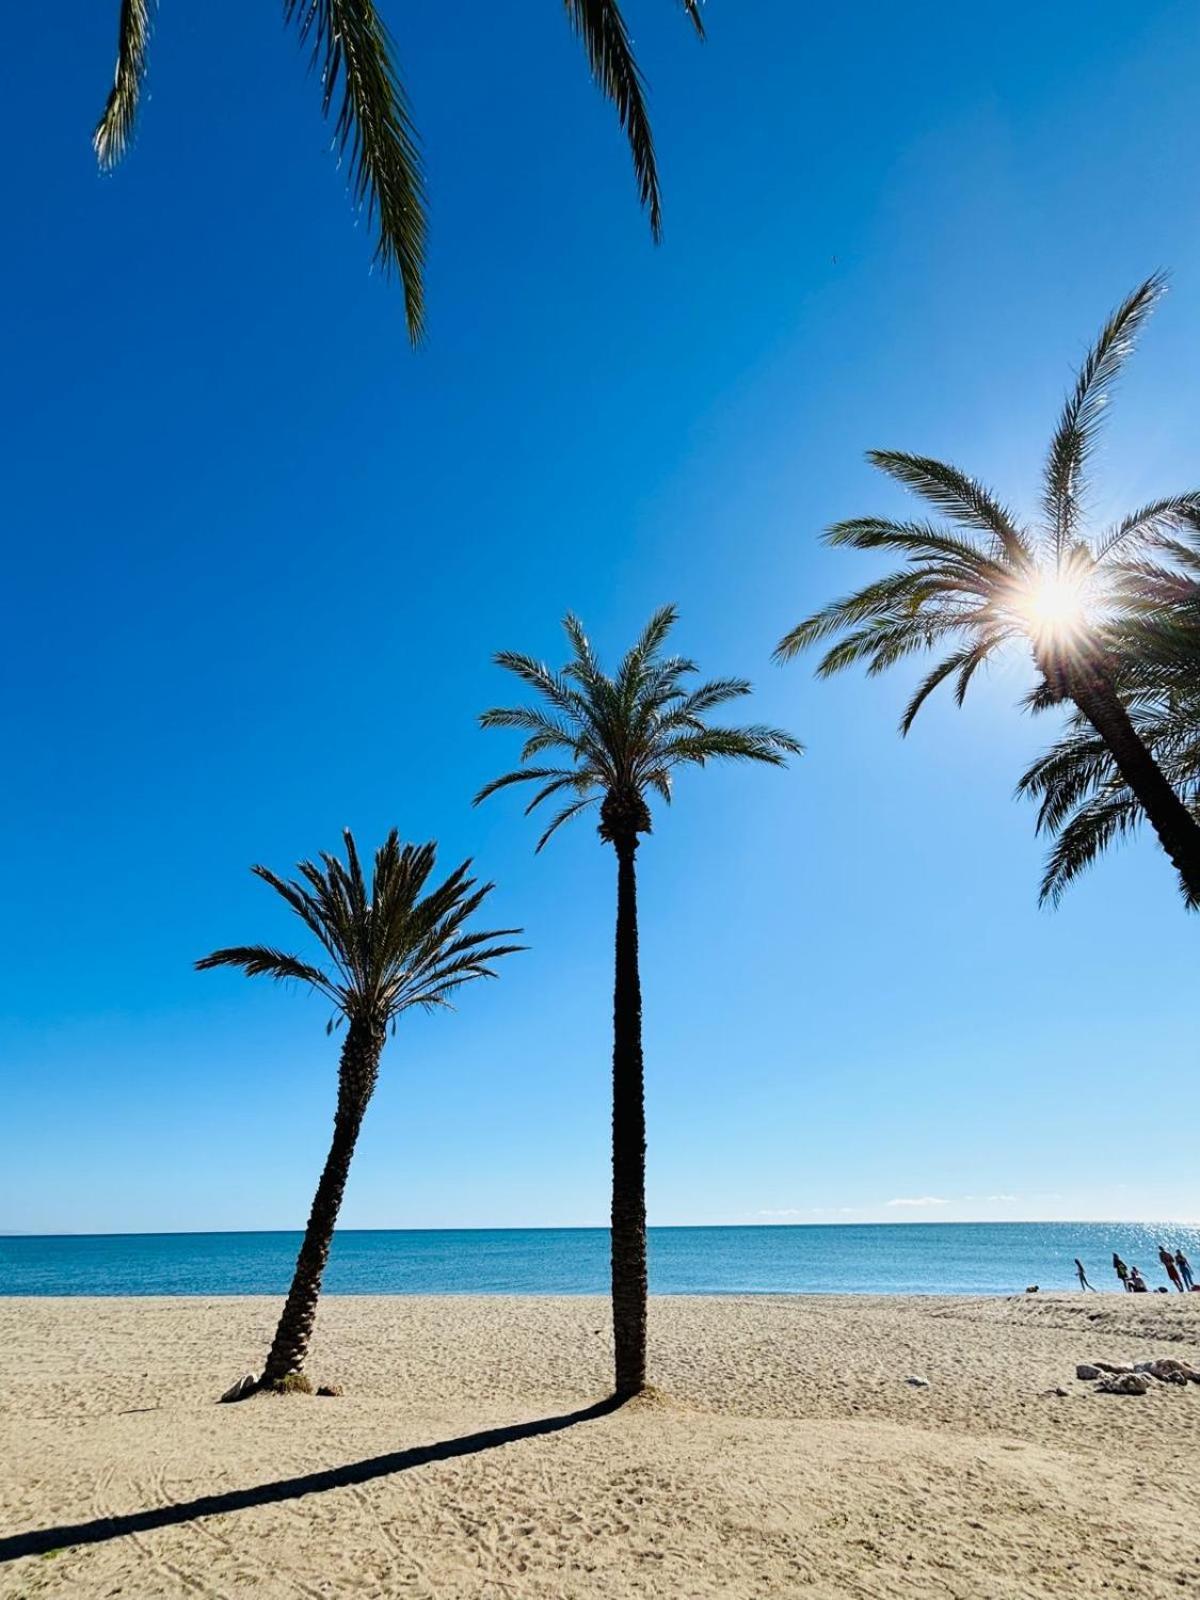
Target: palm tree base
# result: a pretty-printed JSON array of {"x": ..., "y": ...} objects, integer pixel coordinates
[
  {"x": 290, "y": 1383},
  {"x": 648, "y": 1398}
]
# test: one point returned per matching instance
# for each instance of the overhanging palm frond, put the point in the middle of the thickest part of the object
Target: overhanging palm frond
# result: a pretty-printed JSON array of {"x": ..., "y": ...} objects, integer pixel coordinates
[
  {"x": 606, "y": 40},
  {"x": 1094, "y": 826},
  {"x": 1084, "y": 412},
  {"x": 964, "y": 663},
  {"x": 353, "y": 54},
  {"x": 115, "y": 128}
]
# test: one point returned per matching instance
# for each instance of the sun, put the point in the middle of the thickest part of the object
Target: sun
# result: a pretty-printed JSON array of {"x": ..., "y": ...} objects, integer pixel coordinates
[{"x": 1055, "y": 606}]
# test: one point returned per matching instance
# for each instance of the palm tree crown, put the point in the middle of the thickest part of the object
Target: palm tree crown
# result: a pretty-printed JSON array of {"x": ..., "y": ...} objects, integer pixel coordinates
[
  {"x": 618, "y": 737},
  {"x": 391, "y": 946},
  {"x": 353, "y": 53},
  {"x": 981, "y": 578}
]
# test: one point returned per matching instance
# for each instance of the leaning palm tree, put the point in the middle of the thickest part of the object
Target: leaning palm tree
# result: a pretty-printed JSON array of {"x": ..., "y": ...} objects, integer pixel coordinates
[
  {"x": 982, "y": 579},
  {"x": 391, "y": 946},
  {"x": 353, "y": 51},
  {"x": 619, "y": 739}
]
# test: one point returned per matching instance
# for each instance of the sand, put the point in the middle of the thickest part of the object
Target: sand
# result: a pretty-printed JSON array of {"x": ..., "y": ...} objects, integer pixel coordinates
[{"x": 787, "y": 1455}]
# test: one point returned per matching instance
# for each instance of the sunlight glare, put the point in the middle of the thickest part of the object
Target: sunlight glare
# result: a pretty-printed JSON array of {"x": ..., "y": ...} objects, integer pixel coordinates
[{"x": 1056, "y": 607}]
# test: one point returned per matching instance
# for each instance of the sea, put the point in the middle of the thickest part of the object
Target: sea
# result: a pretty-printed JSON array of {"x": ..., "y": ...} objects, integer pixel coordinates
[{"x": 976, "y": 1258}]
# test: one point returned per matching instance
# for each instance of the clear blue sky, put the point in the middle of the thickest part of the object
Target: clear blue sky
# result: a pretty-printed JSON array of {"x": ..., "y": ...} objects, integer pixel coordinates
[{"x": 258, "y": 555}]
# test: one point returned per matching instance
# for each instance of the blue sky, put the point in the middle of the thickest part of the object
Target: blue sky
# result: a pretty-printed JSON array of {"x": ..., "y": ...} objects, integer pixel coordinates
[{"x": 258, "y": 554}]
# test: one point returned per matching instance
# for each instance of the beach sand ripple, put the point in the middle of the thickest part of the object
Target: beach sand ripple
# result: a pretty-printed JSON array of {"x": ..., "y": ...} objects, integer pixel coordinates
[{"x": 785, "y": 1454}]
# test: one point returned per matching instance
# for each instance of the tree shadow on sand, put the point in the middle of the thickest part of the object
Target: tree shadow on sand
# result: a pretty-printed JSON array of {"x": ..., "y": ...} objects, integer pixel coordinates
[{"x": 40, "y": 1540}]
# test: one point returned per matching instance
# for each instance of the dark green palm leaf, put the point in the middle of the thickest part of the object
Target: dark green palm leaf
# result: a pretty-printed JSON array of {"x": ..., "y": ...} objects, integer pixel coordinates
[
  {"x": 606, "y": 40},
  {"x": 353, "y": 54}
]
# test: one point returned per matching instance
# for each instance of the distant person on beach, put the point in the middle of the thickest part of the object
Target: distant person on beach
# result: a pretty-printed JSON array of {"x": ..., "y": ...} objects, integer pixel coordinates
[
  {"x": 1185, "y": 1268},
  {"x": 1082, "y": 1276},
  {"x": 1122, "y": 1271},
  {"x": 1137, "y": 1284},
  {"x": 1169, "y": 1267}
]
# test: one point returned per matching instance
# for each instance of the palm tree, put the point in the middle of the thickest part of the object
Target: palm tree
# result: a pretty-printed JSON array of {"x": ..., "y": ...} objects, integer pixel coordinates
[
  {"x": 982, "y": 579},
  {"x": 1084, "y": 799},
  {"x": 618, "y": 739},
  {"x": 352, "y": 50},
  {"x": 391, "y": 947}
]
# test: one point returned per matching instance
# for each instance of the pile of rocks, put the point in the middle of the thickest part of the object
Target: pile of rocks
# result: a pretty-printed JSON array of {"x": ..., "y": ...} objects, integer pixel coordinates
[{"x": 1136, "y": 1377}]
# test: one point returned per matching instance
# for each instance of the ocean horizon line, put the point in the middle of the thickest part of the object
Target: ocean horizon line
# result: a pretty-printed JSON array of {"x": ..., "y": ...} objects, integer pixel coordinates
[{"x": 906, "y": 1223}]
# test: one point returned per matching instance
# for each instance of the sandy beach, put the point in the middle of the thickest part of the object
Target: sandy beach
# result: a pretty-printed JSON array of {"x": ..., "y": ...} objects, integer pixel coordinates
[{"x": 787, "y": 1454}]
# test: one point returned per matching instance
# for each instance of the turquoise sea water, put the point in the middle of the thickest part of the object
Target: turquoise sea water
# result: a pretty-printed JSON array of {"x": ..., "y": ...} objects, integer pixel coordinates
[{"x": 914, "y": 1258}]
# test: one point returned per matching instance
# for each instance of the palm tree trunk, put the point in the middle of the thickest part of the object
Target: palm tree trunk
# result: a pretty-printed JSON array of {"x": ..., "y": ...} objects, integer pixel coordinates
[
  {"x": 1177, "y": 829},
  {"x": 629, "y": 1137},
  {"x": 356, "y": 1078}
]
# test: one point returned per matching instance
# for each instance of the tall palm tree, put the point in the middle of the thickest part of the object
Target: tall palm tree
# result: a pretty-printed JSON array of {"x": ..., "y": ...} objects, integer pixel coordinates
[
  {"x": 353, "y": 52},
  {"x": 391, "y": 946},
  {"x": 618, "y": 739},
  {"x": 982, "y": 579}
]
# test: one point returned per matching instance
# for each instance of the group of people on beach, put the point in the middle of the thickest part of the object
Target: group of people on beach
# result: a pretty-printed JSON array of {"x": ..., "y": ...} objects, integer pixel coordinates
[{"x": 1177, "y": 1268}]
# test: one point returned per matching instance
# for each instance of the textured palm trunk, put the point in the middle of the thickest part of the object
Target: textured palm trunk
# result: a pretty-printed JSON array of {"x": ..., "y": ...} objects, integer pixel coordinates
[
  {"x": 356, "y": 1079},
  {"x": 1177, "y": 829},
  {"x": 629, "y": 1137}
]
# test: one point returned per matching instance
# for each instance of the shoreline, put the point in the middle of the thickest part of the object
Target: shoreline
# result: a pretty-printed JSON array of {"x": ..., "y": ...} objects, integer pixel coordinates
[{"x": 807, "y": 1295}]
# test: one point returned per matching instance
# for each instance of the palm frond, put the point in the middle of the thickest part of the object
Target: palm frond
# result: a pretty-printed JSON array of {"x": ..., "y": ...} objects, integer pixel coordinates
[
  {"x": 954, "y": 662},
  {"x": 1091, "y": 830},
  {"x": 1084, "y": 412},
  {"x": 353, "y": 53},
  {"x": 956, "y": 495},
  {"x": 1152, "y": 522},
  {"x": 912, "y": 595},
  {"x": 112, "y": 134},
  {"x": 769, "y": 745},
  {"x": 581, "y": 782},
  {"x": 307, "y": 909},
  {"x": 692, "y": 8},
  {"x": 606, "y": 40},
  {"x": 261, "y": 961},
  {"x": 565, "y": 815},
  {"x": 920, "y": 540},
  {"x": 1083, "y": 799},
  {"x": 520, "y": 775}
]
